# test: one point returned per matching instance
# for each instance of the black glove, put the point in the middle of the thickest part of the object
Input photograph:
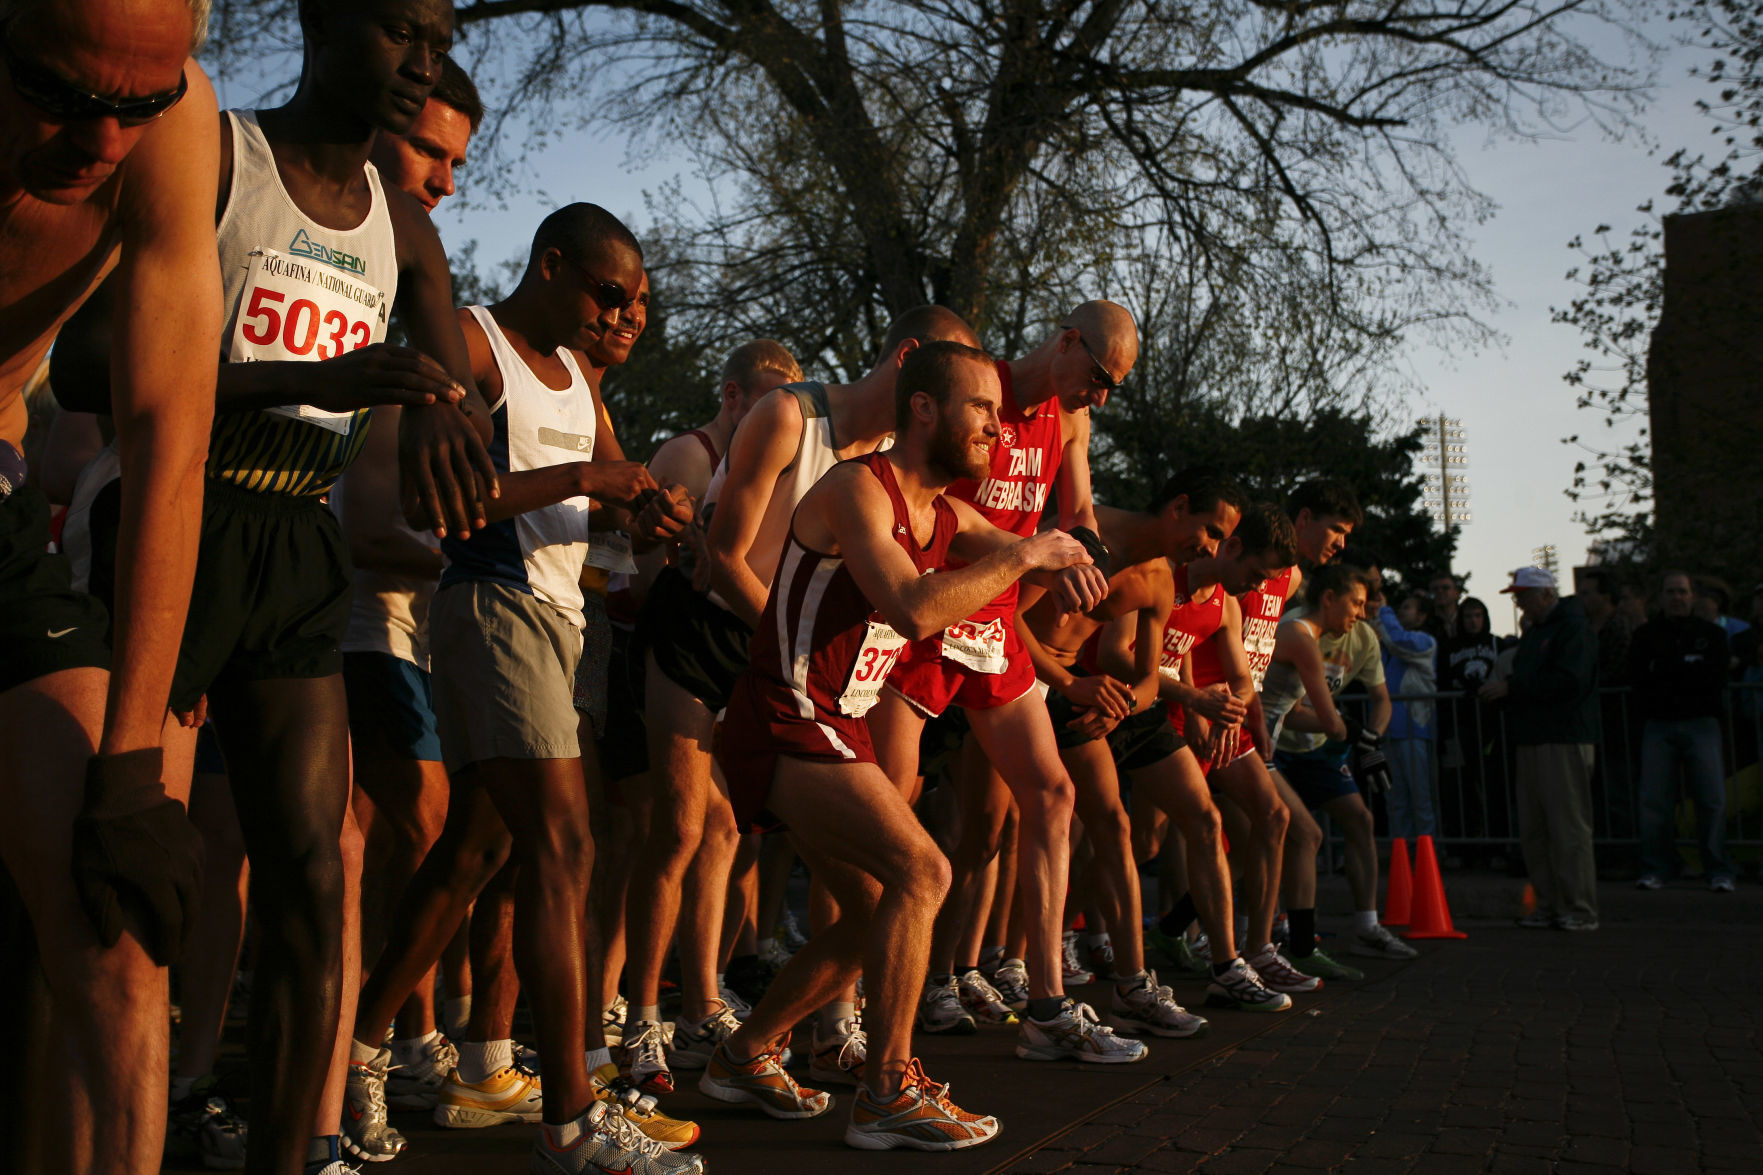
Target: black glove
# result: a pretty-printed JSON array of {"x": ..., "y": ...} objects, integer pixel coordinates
[
  {"x": 137, "y": 859},
  {"x": 1366, "y": 760},
  {"x": 1092, "y": 542}
]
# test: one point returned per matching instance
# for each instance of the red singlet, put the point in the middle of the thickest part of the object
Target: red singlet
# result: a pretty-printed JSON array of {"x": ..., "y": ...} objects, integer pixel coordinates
[{"x": 1261, "y": 612}]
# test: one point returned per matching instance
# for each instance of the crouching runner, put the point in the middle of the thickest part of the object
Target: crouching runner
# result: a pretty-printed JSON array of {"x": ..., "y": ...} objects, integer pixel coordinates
[{"x": 851, "y": 589}]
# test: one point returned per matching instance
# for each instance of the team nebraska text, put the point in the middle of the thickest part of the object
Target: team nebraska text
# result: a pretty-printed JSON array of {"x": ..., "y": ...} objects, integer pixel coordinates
[{"x": 1010, "y": 493}]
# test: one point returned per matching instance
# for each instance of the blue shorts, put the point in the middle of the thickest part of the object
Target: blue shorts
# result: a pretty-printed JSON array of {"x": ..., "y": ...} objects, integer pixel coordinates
[
  {"x": 1317, "y": 777},
  {"x": 389, "y": 700}
]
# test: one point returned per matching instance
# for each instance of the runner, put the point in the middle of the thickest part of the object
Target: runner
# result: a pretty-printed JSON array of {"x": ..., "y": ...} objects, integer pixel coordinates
[
  {"x": 91, "y": 186},
  {"x": 1278, "y": 835},
  {"x": 505, "y": 629},
  {"x": 690, "y": 838},
  {"x": 400, "y": 795},
  {"x": 1203, "y": 592},
  {"x": 696, "y": 644},
  {"x": 1192, "y": 513},
  {"x": 981, "y": 666},
  {"x": 795, "y": 746}
]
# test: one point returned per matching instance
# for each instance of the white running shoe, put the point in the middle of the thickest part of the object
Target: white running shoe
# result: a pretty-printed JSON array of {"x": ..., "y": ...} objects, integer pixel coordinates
[
  {"x": 982, "y": 1000},
  {"x": 838, "y": 1059},
  {"x": 1379, "y": 943},
  {"x": 645, "y": 1058},
  {"x": 1241, "y": 988},
  {"x": 1076, "y": 975},
  {"x": 1278, "y": 974},
  {"x": 1142, "y": 1005},
  {"x": 365, "y": 1132},
  {"x": 609, "y": 1143},
  {"x": 1011, "y": 982},
  {"x": 612, "y": 1021},
  {"x": 940, "y": 1010},
  {"x": 692, "y": 1044},
  {"x": 789, "y": 931},
  {"x": 414, "y": 1084},
  {"x": 1075, "y": 1033},
  {"x": 740, "y": 1007}
]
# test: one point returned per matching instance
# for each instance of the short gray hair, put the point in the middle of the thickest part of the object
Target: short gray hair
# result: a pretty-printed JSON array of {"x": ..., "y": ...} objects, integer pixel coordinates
[{"x": 198, "y": 12}]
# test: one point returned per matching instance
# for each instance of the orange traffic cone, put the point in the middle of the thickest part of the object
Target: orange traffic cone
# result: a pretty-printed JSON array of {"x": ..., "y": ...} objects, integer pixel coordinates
[
  {"x": 1528, "y": 903},
  {"x": 1398, "y": 899},
  {"x": 1431, "y": 917}
]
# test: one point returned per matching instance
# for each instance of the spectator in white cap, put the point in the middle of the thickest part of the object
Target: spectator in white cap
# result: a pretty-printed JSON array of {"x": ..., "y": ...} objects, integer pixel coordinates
[{"x": 1554, "y": 723}]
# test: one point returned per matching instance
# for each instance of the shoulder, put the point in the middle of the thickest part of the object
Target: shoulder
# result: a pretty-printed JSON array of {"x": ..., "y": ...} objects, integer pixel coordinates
[{"x": 415, "y": 233}]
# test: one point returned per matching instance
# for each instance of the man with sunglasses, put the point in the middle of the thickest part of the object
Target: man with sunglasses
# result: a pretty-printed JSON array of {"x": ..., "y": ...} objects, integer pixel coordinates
[
  {"x": 107, "y": 166},
  {"x": 982, "y": 666}
]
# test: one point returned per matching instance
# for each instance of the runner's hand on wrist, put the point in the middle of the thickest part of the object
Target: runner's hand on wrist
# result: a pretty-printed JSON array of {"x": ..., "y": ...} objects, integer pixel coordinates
[{"x": 380, "y": 374}]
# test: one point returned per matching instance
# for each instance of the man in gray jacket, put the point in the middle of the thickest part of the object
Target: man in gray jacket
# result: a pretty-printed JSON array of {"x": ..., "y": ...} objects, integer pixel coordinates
[{"x": 1554, "y": 723}]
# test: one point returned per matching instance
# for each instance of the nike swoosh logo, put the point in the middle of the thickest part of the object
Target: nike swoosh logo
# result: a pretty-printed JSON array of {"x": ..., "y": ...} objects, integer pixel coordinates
[
  {"x": 355, "y": 1112},
  {"x": 62, "y": 633}
]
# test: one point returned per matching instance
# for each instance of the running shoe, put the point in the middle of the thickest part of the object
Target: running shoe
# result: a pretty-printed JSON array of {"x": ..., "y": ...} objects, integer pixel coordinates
[
  {"x": 940, "y": 1011},
  {"x": 763, "y": 1082},
  {"x": 1649, "y": 881},
  {"x": 789, "y": 932},
  {"x": 983, "y": 1001},
  {"x": 837, "y": 1059},
  {"x": 1279, "y": 975},
  {"x": 1324, "y": 966},
  {"x": 1202, "y": 948},
  {"x": 1282, "y": 931},
  {"x": 1075, "y": 973},
  {"x": 1576, "y": 922},
  {"x": 1722, "y": 884},
  {"x": 608, "y": 1142},
  {"x": 776, "y": 955},
  {"x": 645, "y": 1058},
  {"x": 1142, "y": 1005},
  {"x": 366, "y": 1134},
  {"x": 921, "y": 1117},
  {"x": 1537, "y": 920},
  {"x": 414, "y": 1084},
  {"x": 692, "y": 1044},
  {"x": 201, "y": 1128},
  {"x": 740, "y": 1007},
  {"x": 1011, "y": 982},
  {"x": 612, "y": 1021},
  {"x": 1241, "y": 988},
  {"x": 508, "y": 1095},
  {"x": 1075, "y": 1033},
  {"x": 1379, "y": 943},
  {"x": 1101, "y": 959},
  {"x": 1174, "y": 950},
  {"x": 639, "y": 1109}
]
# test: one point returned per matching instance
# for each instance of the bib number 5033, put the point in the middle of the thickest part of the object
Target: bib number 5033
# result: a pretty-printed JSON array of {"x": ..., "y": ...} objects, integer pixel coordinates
[{"x": 303, "y": 329}]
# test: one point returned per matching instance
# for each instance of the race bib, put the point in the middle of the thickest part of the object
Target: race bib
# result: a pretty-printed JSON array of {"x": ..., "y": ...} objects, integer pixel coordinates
[
  {"x": 980, "y": 647},
  {"x": 611, "y": 551},
  {"x": 875, "y": 660},
  {"x": 293, "y": 308}
]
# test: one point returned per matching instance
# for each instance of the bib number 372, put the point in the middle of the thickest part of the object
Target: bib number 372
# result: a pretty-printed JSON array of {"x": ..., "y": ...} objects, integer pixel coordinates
[
  {"x": 875, "y": 660},
  {"x": 293, "y": 308}
]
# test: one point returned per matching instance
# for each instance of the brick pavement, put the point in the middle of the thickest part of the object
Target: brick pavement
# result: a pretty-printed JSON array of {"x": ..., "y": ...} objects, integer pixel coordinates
[{"x": 1633, "y": 1049}]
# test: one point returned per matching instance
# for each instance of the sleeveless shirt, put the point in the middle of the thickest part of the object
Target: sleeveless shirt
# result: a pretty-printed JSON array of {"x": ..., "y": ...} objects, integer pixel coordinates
[
  {"x": 294, "y": 290},
  {"x": 542, "y": 551},
  {"x": 1261, "y": 611}
]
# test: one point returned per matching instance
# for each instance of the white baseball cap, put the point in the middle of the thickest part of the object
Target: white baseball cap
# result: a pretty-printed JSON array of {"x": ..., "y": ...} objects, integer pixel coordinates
[{"x": 1530, "y": 577}]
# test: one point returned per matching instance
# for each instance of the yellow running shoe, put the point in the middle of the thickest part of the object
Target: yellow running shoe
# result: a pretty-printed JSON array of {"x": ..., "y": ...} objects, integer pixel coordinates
[
  {"x": 921, "y": 1116},
  {"x": 763, "y": 1082},
  {"x": 639, "y": 1109},
  {"x": 507, "y": 1095}
]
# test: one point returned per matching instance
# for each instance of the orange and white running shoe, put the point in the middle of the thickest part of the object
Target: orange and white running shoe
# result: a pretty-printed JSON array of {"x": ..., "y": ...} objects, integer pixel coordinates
[
  {"x": 763, "y": 1082},
  {"x": 921, "y": 1116},
  {"x": 507, "y": 1095},
  {"x": 639, "y": 1109}
]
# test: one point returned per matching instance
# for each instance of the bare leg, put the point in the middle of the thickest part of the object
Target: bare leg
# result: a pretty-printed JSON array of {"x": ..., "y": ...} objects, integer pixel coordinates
[
  {"x": 1355, "y": 820},
  {"x": 1116, "y": 880},
  {"x": 1174, "y": 785},
  {"x": 205, "y": 973},
  {"x": 1303, "y": 842},
  {"x": 330, "y": 1106},
  {"x": 1248, "y": 784},
  {"x": 740, "y": 911}
]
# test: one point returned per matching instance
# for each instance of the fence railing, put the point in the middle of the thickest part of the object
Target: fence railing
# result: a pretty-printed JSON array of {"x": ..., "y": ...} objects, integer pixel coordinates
[{"x": 1472, "y": 768}]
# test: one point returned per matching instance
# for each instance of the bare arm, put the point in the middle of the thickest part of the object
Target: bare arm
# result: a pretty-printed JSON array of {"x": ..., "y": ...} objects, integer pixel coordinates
[
  {"x": 166, "y": 335},
  {"x": 681, "y": 461},
  {"x": 368, "y": 501},
  {"x": 763, "y": 446},
  {"x": 1295, "y": 646},
  {"x": 1077, "y": 507}
]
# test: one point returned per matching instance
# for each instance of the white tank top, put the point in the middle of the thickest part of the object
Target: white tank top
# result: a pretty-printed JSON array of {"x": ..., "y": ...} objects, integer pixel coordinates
[
  {"x": 816, "y": 452},
  {"x": 542, "y": 551},
  {"x": 294, "y": 290},
  {"x": 388, "y": 613},
  {"x": 1281, "y": 688}
]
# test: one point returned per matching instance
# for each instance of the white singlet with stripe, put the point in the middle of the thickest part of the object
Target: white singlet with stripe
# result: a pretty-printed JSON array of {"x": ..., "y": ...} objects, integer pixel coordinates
[{"x": 541, "y": 552}]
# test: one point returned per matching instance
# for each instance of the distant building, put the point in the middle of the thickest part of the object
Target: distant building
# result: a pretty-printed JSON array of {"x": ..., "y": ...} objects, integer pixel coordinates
[{"x": 1705, "y": 395}]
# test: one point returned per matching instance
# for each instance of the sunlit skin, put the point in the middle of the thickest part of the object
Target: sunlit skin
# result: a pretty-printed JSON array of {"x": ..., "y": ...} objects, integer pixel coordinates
[
  {"x": 422, "y": 160},
  {"x": 614, "y": 346},
  {"x": 1320, "y": 536},
  {"x": 1078, "y": 383}
]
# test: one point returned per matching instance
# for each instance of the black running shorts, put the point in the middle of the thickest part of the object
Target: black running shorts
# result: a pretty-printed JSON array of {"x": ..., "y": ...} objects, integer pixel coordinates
[
  {"x": 45, "y": 625},
  {"x": 1138, "y": 741},
  {"x": 272, "y": 593},
  {"x": 701, "y": 646},
  {"x": 624, "y": 747}
]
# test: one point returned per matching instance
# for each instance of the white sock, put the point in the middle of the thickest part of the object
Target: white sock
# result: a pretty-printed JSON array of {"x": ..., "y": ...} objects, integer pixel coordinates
[
  {"x": 411, "y": 1050},
  {"x": 563, "y": 1135},
  {"x": 721, "y": 981},
  {"x": 455, "y": 1012},
  {"x": 832, "y": 1013},
  {"x": 363, "y": 1053},
  {"x": 1364, "y": 920},
  {"x": 597, "y": 1058},
  {"x": 634, "y": 1016},
  {"x": 479, "y": 1059}
]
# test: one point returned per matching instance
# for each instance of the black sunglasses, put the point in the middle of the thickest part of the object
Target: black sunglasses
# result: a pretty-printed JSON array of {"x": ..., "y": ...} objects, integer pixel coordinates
[
  {"x": 610, "y": 295},
  {"x": 1098, "y": 373},
  {"x": 61, "y": 101}
]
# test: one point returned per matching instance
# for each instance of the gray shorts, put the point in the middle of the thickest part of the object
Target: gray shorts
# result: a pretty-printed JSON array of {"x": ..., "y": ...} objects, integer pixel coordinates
[{"x": 504, "y": 672}]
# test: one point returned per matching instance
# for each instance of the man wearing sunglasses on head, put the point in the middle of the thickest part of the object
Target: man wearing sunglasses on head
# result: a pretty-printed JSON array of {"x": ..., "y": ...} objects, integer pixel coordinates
[
  {"x": 107, "y": 167},
  {"x": 982, "y": 666}
]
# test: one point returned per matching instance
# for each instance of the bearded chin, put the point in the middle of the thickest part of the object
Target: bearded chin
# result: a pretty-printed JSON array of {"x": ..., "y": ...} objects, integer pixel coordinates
[{"x": 952, "y": 459}]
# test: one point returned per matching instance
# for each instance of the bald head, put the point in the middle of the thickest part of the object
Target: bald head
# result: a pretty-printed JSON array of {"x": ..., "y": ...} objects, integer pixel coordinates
[
  {"x": 926, "y": 324},
  {"x": 1111, "y": 333},
  {"x": 750, "y": 363},
  {"x": 110, "y": 10}
]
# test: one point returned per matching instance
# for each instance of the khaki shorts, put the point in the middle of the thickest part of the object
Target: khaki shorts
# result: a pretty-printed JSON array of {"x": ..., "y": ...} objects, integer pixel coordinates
[{"x": 504, "y": 675}]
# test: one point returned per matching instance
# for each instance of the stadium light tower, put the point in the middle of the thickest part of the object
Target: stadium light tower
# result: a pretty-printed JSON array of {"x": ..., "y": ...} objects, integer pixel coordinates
[
  {"x": 1445, "y": 451},
  {"x": 1547, "y": 558}
]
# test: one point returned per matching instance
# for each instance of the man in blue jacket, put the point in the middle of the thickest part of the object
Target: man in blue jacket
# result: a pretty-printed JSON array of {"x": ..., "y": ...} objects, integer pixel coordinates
[{"x": 1553, "y": 720}]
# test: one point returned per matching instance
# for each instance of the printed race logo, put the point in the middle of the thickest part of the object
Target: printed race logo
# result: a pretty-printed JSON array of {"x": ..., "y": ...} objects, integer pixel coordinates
[
  {"x": 1007, "y": 436},
  {"x": 304, "y": 246}
]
